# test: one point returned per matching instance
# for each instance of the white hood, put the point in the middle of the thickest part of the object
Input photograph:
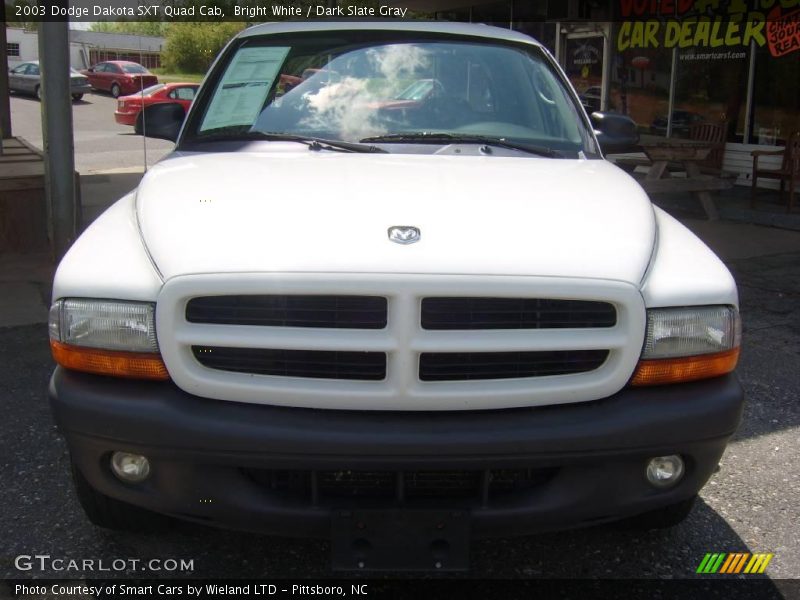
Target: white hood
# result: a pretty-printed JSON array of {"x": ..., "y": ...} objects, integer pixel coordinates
[{"x": 289, "y": 209}]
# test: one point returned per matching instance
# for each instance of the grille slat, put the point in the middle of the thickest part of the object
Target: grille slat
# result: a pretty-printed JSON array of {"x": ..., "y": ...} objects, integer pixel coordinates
[
  {"x": 371, "y": 312},
  {"x": 416, "y": 485},
  {"x": 464, "y": 366},
  {"x": 367, "y": 366},
  {"x": 329, "y": 312},
  {"x": 515, "y": 313}
]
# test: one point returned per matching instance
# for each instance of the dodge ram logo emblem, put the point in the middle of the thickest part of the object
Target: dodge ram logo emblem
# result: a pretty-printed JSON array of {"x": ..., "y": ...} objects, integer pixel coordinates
[{"x": 402, "y": 234}]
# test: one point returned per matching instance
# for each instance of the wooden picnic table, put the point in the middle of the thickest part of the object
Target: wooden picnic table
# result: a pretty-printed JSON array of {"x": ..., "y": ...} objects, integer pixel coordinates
[{"x": 688, "y": 154}]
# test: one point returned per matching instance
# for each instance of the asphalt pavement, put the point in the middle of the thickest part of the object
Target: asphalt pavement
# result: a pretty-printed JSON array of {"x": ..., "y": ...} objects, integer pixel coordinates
[
  {"x": 750, "y": 505},
  {"x": 100, "y": 143}
]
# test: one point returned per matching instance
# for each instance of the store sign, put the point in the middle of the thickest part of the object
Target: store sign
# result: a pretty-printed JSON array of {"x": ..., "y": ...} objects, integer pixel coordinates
[
  {"x": 783, "y": 32},
  {"x": 586, "y": 53},
  {"x": 710, "y": 24}
]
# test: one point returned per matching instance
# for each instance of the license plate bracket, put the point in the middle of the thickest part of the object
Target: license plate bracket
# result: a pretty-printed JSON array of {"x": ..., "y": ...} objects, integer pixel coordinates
[{"x": 400, "y": 540}]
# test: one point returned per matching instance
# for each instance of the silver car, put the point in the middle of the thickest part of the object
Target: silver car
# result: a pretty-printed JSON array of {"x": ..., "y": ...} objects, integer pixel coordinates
[{"x": 26, "y": 78}]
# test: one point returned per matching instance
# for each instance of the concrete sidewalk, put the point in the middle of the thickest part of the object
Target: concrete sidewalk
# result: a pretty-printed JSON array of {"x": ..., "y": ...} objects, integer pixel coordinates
[{"x": 25, "y": 280}]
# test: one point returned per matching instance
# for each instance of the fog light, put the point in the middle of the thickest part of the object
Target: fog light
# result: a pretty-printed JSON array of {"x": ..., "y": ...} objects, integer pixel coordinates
[
  {"x": 129, "y": 467},
  {"x": 665, "y": 471}
]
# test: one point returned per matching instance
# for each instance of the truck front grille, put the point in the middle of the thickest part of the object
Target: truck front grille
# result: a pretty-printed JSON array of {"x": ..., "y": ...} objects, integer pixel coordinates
[
  {"x": 464, "y": 366},
  {"x": 399, "y": 342},
  {"x": 321, "y": 487},
  {"x": 515, "y": 313},
  {"x": 281, "y": 310},
  {"x": 365, "y": 366}
]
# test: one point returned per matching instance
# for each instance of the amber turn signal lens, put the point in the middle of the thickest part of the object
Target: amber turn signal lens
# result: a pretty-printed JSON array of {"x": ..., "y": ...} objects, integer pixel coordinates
[
  {"x": 688, "y": 368},
  {"x": 134, "y": 365}
]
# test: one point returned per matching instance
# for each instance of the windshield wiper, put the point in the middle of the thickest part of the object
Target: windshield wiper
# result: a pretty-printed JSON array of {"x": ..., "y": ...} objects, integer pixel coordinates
[
  {"x": 433, "y": 137},
  {"x": 314, "y": 143}
]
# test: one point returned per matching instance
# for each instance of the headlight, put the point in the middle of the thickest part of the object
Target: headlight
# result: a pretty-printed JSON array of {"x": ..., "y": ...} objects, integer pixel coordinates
[
  {"x": 110, "y": 337},
  {"x": 686, "y": 344}
]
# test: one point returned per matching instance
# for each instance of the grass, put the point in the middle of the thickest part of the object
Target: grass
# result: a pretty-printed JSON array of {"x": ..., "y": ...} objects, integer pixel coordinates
[{"x": 165, "y": 77}]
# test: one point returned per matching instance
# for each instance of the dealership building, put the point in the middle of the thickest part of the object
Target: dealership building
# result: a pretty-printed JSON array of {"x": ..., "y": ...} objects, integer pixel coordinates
[
  {"x": 87, "y": 48},
  {"x": 668, "y": 64}
]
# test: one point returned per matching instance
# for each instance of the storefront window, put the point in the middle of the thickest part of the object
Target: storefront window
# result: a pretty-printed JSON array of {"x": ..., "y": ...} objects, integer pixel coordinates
[
  {"x": 711, "y": 87},
  {"x": 583, "y": 59},
  {"x": 640, "y": 80},
  {"x": 776, "y": 97},
  {"x": 712, "y": 44}
]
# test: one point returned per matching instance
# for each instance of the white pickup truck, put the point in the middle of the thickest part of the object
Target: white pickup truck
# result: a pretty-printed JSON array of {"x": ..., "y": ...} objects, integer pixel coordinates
[{"x": 387, "y": 290}]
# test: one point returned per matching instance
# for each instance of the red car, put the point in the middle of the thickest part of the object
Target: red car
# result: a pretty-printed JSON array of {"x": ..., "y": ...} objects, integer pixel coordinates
[
  {"x": 130, "y": 107},
  {"x": 119, "y": 77}
]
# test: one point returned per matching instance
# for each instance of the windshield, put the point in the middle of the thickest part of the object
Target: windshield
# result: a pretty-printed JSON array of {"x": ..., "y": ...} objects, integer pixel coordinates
[
  {"x": 133, "y": 68},
  {"x": 353, "y": 86}
]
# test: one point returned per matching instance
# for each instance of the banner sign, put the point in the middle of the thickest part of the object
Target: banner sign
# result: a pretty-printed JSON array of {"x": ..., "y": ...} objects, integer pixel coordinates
[{"x": 710, "y": 24}]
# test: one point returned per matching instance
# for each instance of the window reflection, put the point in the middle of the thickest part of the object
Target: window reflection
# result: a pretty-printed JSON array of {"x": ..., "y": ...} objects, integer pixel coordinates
[
  {"x": 776, "y": 97},
  {"x": 711, "y": 87},
  {"x": 640, "y": 82}
]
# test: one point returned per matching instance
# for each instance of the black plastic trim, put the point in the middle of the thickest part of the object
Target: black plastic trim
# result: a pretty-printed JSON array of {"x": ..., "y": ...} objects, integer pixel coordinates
[
  {"x": 162, "y": 415},
  {"x": 201, "y": 451}
]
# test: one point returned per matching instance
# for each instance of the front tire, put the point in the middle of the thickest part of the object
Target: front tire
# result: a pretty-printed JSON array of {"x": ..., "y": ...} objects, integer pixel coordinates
[
  {"x": 137, "y": 127},
  {"x": 38, "y": 91},
  {"x": 114, "y": 514},
  {"x": 77, "y": 97},
  {"x": 115, "y": 90}
]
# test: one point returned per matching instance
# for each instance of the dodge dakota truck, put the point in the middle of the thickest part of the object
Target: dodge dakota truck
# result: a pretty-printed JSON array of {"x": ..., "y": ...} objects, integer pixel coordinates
[{"x": 398, "y": 326}]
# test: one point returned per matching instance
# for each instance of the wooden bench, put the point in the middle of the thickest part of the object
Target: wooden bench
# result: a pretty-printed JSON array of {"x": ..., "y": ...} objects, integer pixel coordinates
[
  {"x": 789, "y": 170},
  {"x": 630, "y": 163},
  {"x": 689, "y": 155},
  {"x": 711, "y": 134}
]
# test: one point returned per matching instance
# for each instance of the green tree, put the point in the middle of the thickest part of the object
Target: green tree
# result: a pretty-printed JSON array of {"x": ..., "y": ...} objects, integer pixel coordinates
[
  {"x": 192, "y": 46},
  {"x": 131, "y": 27},
  {"x": 13, "y": 20}
]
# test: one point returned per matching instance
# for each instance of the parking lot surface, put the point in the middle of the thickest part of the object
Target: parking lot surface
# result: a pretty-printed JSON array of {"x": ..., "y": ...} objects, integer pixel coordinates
[{"x": 100, "y": 143}]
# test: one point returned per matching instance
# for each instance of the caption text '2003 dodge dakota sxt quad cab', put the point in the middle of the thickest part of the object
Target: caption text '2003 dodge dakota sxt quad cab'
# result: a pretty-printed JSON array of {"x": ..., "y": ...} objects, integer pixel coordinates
[{"x": 386, "y": 290}]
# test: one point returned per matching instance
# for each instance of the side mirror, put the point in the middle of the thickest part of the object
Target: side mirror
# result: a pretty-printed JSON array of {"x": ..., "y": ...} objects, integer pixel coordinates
[
  {"x": 616, "y": 133},
  {"x": 163, "y": 121}
]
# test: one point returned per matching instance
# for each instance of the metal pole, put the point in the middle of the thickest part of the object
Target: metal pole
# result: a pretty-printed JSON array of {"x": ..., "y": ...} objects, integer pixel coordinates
[
  {"x": 673, "y": 83},
  {"x": 59, "y": 159},
  {"x": 144, "y": 120},
  {"x": 559, "y": 52},
  {"x": 748, "y": 111},
  {"x": 605, "y": 77},
  {"x": 5, "y": 105}
]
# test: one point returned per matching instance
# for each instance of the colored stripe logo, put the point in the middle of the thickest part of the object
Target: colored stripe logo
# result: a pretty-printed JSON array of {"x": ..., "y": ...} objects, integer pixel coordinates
[{"x": 734, "y": 563}]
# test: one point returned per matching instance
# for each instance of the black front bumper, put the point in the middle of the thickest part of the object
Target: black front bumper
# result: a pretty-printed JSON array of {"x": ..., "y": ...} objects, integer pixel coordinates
[{"x": 204, "y": 453}]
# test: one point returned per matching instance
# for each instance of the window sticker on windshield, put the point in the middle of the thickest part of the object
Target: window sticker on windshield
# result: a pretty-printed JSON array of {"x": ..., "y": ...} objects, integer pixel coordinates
[{"x": 244, "y": 87}]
